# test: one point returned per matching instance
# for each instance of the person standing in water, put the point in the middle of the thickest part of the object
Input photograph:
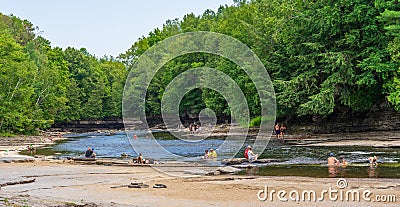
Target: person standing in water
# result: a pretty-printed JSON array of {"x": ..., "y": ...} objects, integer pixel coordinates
[
  {"x": 332, "y": 161},
  {"x": 373, "y": 161},
  {"x": 332, "y": 164}
]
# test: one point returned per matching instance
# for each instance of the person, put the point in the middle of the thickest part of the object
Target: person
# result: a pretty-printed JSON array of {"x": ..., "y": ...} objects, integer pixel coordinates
[
  {"x": 277, "y": 131},
  {"x": 332, "y": 160},
  {"x": 373, "y": 161},
  {"x": 251, "y": 156},
  {"x": 140, "y": 159},
  {"x": 342, "y": 161},
  {"x": 282, "y": 130},
  {"x": 31, "y": 149},
  {"x": 332, "y": 165},
  {"x": 190, "y": 128},
  {"x": 213, "y": 154},
  {"x": 90, "y": 153},
  {"x": 206, "y": 154},
  {"x": 246, "y": 151}
]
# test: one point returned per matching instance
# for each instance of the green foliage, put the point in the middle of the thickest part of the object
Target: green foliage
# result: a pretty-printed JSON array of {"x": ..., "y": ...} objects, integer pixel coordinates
[
  {"x": 40, "y": 85},
  {"x": 255, "y": 122},
  {"x": 323, "y": 56}
]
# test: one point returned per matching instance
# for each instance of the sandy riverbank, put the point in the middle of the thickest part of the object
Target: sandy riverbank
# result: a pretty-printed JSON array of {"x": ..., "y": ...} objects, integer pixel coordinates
[{"x": 60, "y": 184}]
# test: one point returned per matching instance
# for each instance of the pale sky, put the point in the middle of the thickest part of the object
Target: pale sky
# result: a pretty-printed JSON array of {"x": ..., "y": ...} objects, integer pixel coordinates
[{"x": 103, "y": 27}]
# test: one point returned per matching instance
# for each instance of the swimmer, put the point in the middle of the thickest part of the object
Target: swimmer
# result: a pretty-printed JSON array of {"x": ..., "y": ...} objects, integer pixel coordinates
[{"x": 342, "y": 161}]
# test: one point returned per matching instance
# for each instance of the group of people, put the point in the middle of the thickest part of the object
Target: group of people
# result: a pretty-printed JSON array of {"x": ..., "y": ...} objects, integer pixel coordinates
[
  {"x": 193, "y": 127},
  {"x": 280, "y": 131},
  {"x": 90, "y": 153},
  {"x": 210, "y": 154},
  {"x": 332, "y": 161},
  {"x": 337, "y": 165}
]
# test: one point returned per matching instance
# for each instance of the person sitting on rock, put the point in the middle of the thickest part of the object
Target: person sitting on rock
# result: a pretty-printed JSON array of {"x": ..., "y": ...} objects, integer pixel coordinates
[
  {"x": 140, "y": 159},
  {"x": 246, "y": 151},
  {"x": 251, "y": 156},
  {"x": 90, "y": 153}
]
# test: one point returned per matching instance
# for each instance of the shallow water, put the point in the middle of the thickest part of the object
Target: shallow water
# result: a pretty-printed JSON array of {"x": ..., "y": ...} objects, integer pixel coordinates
[
  {"x": 295, "y": 160},
  {"x": 323, "y": 171}
]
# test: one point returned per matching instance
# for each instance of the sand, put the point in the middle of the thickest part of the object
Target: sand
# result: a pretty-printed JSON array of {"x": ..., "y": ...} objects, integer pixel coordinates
[{"x": 61, "y": 183}]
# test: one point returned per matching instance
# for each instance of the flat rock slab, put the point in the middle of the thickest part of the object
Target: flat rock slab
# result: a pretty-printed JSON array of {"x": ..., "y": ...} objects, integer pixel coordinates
[
  {"x": 244, "y": 166},
  {"x": 228, "y": 169},
  {"x": 237, "y": 161},
  {"x": 196, "y": 172}
]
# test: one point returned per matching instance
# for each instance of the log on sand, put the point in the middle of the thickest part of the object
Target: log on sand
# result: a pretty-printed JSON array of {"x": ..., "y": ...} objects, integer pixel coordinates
[{"x": 17, "y": 182}]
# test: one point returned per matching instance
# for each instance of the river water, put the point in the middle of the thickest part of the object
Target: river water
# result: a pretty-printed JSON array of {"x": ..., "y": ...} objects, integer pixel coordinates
[{"x": 294, "y": 160}]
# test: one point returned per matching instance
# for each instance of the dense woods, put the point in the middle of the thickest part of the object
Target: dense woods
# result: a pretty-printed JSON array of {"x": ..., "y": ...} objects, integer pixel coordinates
[
  {"x": 323, "y": 57},
  {"x": 40, "y": 84}
]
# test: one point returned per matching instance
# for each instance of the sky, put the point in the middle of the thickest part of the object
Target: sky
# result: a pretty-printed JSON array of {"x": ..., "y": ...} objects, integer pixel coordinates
[{"x": 103, "y": 27}]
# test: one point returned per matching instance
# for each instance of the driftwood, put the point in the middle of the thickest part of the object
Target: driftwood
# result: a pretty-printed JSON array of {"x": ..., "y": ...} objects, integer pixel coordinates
[
  {"x": 17, "y": 182},
  {"x": 119, "y": 186},
  {"x": 84, "y": 159}
]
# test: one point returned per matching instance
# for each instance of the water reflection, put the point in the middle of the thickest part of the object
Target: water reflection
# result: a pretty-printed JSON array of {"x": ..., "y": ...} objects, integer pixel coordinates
[
  {"x": 332, "y": 171},
  {"x": 252, "y": 170},
  {"x": 372, "y": 171}
]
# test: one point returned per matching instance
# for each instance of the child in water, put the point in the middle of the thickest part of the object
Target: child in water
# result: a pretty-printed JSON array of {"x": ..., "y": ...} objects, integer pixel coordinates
[{"x": 373, "y": 161}]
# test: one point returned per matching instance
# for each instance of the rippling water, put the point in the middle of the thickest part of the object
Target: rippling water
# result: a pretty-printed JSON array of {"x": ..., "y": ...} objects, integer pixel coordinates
[
  {"x": 113, "y": 146},
  {"x": 295, "y": 160}
]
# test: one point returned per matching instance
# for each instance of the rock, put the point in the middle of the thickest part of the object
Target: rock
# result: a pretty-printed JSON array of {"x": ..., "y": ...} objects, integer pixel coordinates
[
  {"x": 228, "y": 169},
  {"x": 266, "y": 160},
  {"x": 237, "y": 161},
  {"x": 233, "y": 161},
  {"x": 196, "y": 172},
  {"x": 244, "y": 166},
  {"x": 214, "y": 173}
]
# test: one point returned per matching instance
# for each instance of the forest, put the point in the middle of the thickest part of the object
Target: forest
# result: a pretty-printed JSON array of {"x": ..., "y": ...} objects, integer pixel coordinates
[{"x": 323, "y": 57}]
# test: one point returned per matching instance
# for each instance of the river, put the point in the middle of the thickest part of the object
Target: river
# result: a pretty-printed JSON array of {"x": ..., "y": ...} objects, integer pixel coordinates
[{"x": 294, "y": 160}]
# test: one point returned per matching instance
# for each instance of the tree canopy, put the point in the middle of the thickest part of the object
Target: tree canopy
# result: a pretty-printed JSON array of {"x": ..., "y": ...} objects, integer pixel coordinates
[
  {"x": 323, "y": 57},
  {"x": 40, "y": 85}
]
